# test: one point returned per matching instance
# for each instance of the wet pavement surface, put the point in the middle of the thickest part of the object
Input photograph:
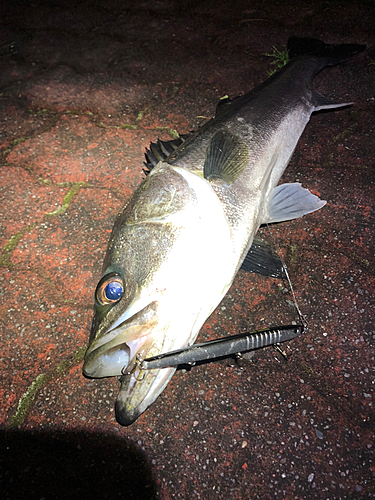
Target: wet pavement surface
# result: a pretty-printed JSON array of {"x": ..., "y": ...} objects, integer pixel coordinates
[{"x": 84, "y": 88}]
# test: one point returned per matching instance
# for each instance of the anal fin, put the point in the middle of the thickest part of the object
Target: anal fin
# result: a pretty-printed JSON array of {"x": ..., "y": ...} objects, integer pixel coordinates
[
  {"x": 322, "y": 102},
  {"x": 291, "y": 201}
]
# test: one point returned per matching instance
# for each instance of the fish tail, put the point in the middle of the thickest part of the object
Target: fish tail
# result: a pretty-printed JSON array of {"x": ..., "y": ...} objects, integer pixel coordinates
[{"x": 333, "y": 54}]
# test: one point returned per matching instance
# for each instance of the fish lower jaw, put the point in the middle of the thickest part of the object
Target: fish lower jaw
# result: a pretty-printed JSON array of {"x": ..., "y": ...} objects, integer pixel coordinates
[{"x": 136, "y": 394}]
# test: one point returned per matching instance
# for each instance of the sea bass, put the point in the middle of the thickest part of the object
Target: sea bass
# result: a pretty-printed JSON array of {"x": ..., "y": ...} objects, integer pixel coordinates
[{"x": 177, "y": 245}]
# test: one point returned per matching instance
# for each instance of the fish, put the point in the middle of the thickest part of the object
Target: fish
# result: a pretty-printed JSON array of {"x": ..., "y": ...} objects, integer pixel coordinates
[{"x": 192, "y": 223}]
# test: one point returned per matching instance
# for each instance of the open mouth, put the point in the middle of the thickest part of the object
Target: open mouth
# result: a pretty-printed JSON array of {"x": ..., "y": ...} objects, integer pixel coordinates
[{"x": 110, "y": 354}]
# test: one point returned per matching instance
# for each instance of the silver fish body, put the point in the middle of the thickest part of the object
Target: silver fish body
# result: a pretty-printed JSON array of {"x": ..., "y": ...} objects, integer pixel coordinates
[{"x": 177, "y": 245}]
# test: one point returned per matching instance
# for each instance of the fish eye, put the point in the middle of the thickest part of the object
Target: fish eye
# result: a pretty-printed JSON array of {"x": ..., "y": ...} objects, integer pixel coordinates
[{"x": 110, "y": 289}]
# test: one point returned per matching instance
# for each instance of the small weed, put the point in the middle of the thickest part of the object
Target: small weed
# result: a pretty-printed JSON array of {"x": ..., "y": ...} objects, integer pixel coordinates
[
  {"x": 172, "y": 132},
  {"x": 281, "y": 58},
  {"x": 294, "y": 253},
  {"x": 20, "y": 140}
]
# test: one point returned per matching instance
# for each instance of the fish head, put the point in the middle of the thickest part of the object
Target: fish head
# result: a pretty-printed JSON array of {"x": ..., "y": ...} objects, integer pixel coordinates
[{"x": 160, "y": 283}]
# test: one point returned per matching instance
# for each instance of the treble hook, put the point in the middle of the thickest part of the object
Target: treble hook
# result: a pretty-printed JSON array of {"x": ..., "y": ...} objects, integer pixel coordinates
[{"x": 136, "y": 366}]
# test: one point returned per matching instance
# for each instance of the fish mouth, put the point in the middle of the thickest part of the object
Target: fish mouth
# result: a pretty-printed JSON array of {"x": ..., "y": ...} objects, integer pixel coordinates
[{"x": 112, "y": 353}]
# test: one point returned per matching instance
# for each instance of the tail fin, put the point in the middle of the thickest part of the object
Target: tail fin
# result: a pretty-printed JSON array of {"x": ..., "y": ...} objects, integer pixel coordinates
[{"x": 334, "y": 54}]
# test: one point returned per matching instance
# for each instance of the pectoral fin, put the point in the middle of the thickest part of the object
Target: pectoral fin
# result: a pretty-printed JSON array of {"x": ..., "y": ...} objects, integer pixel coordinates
[
  {"x": 290, "y": 201},
  {"x": 227, "y": 157}
]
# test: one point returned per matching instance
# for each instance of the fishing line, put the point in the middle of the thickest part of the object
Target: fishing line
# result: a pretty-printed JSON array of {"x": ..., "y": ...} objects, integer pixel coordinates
[{"x": 301, "y": 316}]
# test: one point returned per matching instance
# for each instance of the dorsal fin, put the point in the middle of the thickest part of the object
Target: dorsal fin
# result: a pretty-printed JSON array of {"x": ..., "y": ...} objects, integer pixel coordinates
[
  {"x": 227, "y": 157},
  {"x": 334, "y": 54},
  {"x": 224, "y": 104},
  {"x": 160, "y": 150}
]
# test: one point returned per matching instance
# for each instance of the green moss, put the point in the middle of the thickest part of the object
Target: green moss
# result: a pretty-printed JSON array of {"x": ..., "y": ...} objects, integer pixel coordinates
[
  {"x": 63, "y": 366},
  {"x": 11, "y": 245},
  {"x": 45, "y": 182},
  {"x": 6, "y": 253},
  {"x": 77, "y": 112},
  {"x": 40, "y": 112},
  {"x": 20, "y": 140},
  {"x": 6, "y": 152},
  {"x": 80, "y": 354},
  {"x": 143, "y": 112},
  {"x": 128, "y": 126},
  {"x": 27, "y": 399},
  {"x": 360, "y": 260},
  {"x": 140, "y": 116},
  {"x": 68, "y": 198},
  {"x": 307, "y": 370},
  {"x": 345, "y": 133}
]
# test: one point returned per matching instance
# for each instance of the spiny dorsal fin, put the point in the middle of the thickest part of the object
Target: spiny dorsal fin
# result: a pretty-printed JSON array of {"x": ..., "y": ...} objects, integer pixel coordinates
[
  {"x": 160, "y": 150},
  {"x": 227, "y": 157}
]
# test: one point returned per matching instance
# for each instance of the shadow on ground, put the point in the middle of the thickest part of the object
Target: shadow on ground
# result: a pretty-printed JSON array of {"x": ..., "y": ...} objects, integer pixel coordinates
[{"x": 72, "y": 465}]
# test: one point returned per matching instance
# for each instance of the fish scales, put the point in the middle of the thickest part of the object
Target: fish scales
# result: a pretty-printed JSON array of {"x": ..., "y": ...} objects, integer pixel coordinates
[{"x": 270, "y": 124}]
